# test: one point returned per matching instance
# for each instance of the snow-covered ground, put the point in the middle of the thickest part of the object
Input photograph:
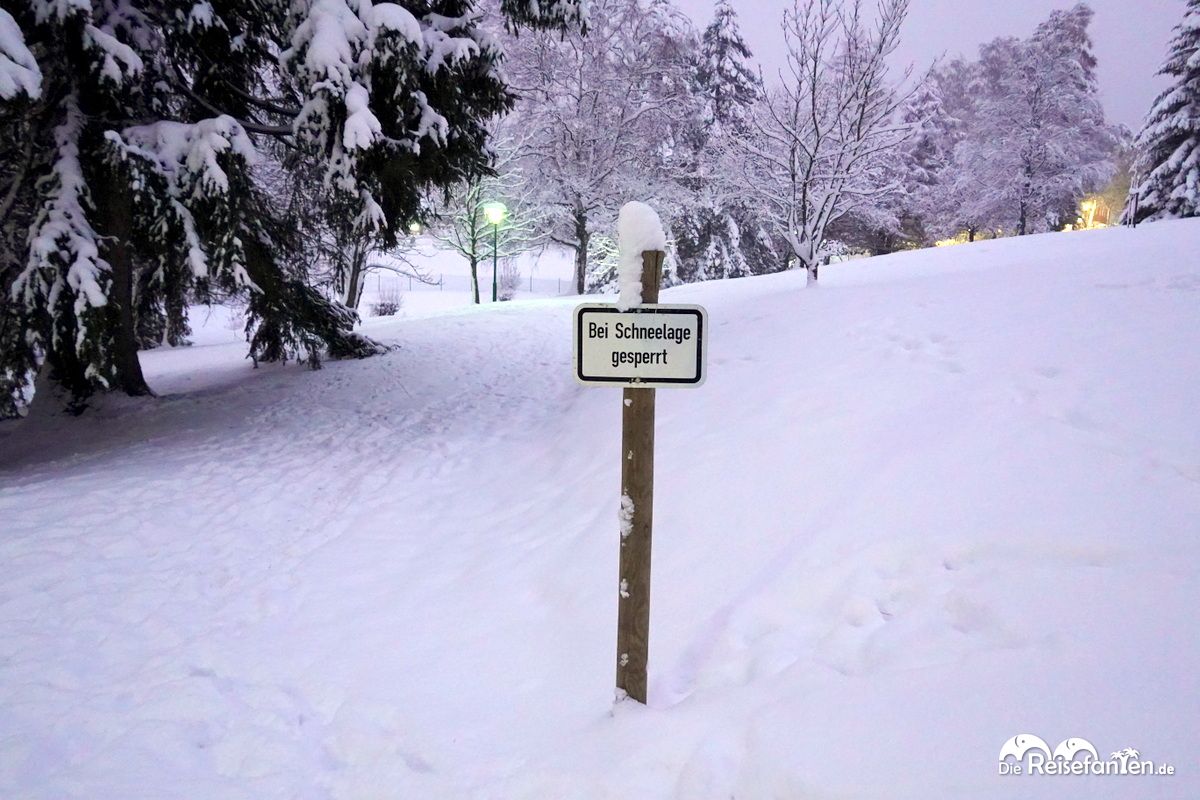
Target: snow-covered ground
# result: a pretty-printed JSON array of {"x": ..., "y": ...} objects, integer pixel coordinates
[
  {"x": 948, "y": 497},
  {"x": 397, "y": 277}
]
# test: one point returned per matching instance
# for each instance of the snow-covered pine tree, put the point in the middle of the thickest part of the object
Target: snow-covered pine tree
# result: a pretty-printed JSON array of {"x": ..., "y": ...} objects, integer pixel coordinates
[
  {"x": 131, "y": 131},
  {"x": 20, "y": 91},
  {"x": 924, "y": 155},
  {"x": 1169, "y": 144},
  {"x": 907, "y": 180},
  {"x": 945, "y": 211},
  {"x": 924, "y": 160},
  {"x": 715, "y": 233},
  {"x": 728, "y": 83}
]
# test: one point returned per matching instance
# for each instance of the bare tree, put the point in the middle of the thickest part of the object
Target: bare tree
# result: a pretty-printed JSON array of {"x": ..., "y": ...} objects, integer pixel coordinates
[
  {"x": 461, "y": 222},
  {"x": 817, "y": 141},
  {"x": 346, "y": 255},
  {"x": 597, "y": 108}
]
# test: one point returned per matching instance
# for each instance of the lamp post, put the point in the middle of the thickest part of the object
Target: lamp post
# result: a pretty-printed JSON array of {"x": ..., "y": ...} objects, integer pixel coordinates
[{"x": 494, "y": 213}]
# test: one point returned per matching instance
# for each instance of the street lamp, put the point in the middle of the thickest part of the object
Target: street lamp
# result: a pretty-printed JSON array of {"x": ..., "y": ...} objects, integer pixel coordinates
[{"x": 494, "y": 213}]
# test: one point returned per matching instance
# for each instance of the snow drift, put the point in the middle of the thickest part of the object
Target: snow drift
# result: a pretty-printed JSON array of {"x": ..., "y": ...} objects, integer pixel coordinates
[{"x": 949, "y": 498}]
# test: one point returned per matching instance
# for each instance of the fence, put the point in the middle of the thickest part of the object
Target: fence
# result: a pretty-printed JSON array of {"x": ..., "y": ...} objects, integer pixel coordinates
[{"x": 383, "y": 283}]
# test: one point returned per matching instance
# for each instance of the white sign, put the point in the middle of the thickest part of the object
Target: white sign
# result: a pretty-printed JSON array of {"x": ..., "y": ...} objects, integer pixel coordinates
[{"x": 648, "y": 346}]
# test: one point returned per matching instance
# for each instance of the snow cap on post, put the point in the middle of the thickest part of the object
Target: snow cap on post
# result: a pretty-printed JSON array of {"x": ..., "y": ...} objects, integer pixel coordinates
[{"x": 638, "y": 229}]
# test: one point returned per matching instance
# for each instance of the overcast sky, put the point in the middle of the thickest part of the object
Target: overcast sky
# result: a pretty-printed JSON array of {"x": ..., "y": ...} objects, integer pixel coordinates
[{"x": 1131, "y": 38}]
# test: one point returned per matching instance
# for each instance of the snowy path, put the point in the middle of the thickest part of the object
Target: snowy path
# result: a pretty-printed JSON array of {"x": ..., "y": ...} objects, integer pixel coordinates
[{"x": 947, "y": 498}]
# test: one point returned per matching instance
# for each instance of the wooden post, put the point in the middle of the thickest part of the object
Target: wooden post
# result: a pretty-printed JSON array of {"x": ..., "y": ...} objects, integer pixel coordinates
[{"x": 637, "y": 514}]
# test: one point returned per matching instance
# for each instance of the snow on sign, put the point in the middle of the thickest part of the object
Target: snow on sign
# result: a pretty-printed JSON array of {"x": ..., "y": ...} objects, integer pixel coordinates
[{"x": 647, "y": 346}]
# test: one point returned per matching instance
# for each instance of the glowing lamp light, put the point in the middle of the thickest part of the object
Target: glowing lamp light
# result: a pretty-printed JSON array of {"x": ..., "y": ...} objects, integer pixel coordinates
[
  {"x": 494, "y": 212},
  {"x": 1091, "y": 211},
  {"x": 414, "y": 228}
]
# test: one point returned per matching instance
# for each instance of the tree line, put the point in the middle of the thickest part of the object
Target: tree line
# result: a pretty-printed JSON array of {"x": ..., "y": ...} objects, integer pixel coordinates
[{"x": 757, "y": 171}]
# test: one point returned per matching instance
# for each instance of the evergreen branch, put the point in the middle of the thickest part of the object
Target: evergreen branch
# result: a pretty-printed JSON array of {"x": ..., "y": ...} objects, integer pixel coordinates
[{"x": 252, "y": 127}]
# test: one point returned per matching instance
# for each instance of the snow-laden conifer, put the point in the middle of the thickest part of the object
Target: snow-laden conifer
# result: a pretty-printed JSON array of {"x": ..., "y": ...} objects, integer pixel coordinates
[
  {"x": 717, "y": 233},
  {"x": 1169, "y": 144},
  {"x": 138, "y": 140}
]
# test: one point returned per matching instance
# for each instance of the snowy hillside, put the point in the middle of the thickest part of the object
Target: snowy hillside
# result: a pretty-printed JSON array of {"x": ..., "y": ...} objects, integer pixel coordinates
[{"x": 948, "y": 497}]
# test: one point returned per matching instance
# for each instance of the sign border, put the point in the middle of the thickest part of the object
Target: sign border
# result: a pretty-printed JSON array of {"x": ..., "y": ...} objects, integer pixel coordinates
[{"x": 655, "y": 308}]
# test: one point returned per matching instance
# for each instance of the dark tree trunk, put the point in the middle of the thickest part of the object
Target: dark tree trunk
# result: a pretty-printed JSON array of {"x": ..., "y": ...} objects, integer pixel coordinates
[
  {"x": 116, "y": 211},
  {"x": 475, "y": 277},
  {"x": 353, "y": 287},
  {"x": 582, "y": 235},
  {"x": 358, "y": 273}
]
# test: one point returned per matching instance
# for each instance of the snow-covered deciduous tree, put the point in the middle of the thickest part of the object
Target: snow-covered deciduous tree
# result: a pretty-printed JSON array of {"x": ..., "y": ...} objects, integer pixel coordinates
[
  {"x": 460, "y": 216},
  {"x": 875, "y": 223},
  {"x": 132, "y": 135},
  {"x": 943, "y": 204},
  {"x": 925, "y": 161},
  {"x": 1169, "y": 162},
  {"x": 818, "y": 140},
  {"x": 598, "y": 109},
  {"x": 1038, "y": 139},
  {"x": 920, "y": 207}
]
